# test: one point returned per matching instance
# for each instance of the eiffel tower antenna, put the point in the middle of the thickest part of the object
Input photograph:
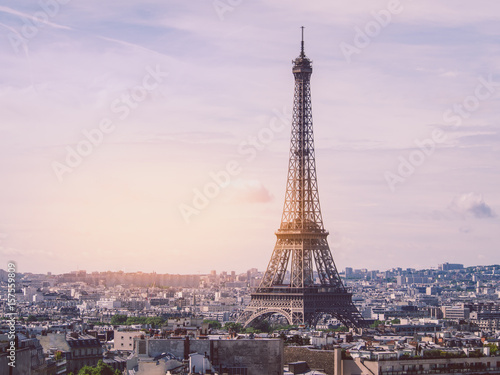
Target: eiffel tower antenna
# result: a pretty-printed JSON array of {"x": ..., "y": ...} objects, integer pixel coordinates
[
  {"x": 302, "y": 54},
  {"x": 301, "y": 245}
]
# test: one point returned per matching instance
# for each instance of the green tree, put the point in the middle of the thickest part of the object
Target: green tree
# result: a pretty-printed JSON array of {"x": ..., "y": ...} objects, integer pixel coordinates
[
  {"x": 100, "y": 369},
  {"x": 340, "y": 329},
  {"x": 136, "y": 320},
  {"x": 233, "y": 327},
  {"x": 213, "y": 323},
  {"x": 377, "y": 323},
  {"x": 396, "y": 321},
  {"x": 493, "y": 348},
  {"x": 283, "y": 327},
  {"x": 475, "y": 354},
  {"x": 262, "y": 325},
  {"x": 252, "y": 330},
  {"x": 155, "y": 321},
  {"x": 118, "y": 319}
]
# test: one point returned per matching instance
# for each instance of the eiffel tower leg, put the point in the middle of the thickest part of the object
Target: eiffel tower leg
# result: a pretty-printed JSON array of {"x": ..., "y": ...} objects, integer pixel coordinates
[{"x": 265, "y": 305}]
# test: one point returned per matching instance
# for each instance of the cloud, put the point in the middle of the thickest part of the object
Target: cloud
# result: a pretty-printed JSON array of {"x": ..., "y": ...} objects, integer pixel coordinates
[
  {"x": 471, "y": 204},
  {"x": 251, "y": 192},
  {"x": 35, "y": 20}
]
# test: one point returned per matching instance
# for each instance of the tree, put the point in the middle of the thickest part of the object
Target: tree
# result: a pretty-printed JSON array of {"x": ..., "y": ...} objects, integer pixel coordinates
[
  {"x": 100, "y": 369},
  {"x": 377, "y": 323},
  {"x": 283, "y": 327},
  {"x": 213, "y": 323},
  {"x": 118, "y": 319},
  {"x": 493, "y": 348},
  {"x": 298, "y": 340},
  {"x": 261, "y": 326},
  {"x": 156, "y": 321},
  {"x": 341, "y": 329},
  {"x": 252, "y": 330},
  {"x": 475, "y": 354},
  {"x": 233, "y": 327}
]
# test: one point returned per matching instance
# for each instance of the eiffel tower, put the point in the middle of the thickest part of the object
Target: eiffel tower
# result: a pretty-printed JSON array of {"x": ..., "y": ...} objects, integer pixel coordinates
[{"x": 301, "y": 239}]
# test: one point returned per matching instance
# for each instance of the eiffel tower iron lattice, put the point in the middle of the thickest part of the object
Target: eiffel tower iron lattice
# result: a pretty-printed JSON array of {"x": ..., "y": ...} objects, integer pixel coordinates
[{"x": 302, "y": 239}]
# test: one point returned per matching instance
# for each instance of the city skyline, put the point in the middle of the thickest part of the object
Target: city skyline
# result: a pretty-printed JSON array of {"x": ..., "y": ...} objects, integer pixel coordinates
[
  {"x": 228, "y": 272},
  {"x": 158, "y": 138}
]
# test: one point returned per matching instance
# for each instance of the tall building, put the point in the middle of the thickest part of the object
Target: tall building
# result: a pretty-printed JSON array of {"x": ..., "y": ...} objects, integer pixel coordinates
[
  {"x": 301, "y": 244},
  {"x": 348, "y": 272},
  {"x": 450, "y": 266}
]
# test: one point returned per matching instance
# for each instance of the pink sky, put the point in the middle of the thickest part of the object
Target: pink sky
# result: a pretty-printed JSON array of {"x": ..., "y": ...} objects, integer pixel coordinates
[{"x": 180, "y": 90}]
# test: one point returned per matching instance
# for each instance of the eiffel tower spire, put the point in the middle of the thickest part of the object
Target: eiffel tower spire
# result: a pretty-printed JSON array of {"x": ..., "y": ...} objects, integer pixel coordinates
[{"x": 301, "y": 245}]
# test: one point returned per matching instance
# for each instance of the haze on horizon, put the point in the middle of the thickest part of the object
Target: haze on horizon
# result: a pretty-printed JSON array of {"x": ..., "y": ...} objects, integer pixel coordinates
[{"x": 172, "y": 96}]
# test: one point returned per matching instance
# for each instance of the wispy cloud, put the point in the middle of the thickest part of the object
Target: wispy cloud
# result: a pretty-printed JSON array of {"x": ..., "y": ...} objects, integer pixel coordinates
[{"x": 34, "y": 19}]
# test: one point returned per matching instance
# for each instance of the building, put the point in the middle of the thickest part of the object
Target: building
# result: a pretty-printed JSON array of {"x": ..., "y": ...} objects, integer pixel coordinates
[
  {"x": 234, "y": 357},
  {"x": 412, "y": 329},
  {"x": 109, "y": 303},
  {"x": 79, "y": 350},
  {"x": 124, "y": 338},
  {"x": 348, "y": 272},
  {"x": 29, "y": 358},
  {"x": 387, "y": 363},
  {"x": 456, "y": 312},
  {"x": 487, "y": 319},
  {"x": 450, "y": 267}
]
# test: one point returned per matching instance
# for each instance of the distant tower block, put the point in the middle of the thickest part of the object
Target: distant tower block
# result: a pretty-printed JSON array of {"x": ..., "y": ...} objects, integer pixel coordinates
[{"x": 301, "y": 244}]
